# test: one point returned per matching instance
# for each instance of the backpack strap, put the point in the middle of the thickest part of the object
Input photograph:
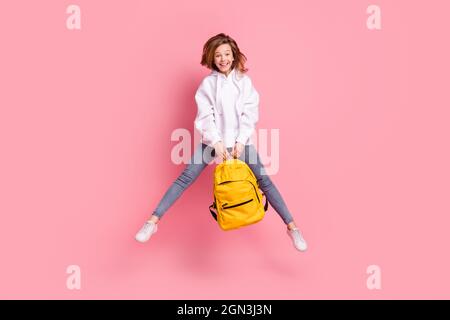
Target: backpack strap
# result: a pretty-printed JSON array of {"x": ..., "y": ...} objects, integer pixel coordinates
[
  {"x": 212, "y": 212},
  {"x": 266, "y": 205}
]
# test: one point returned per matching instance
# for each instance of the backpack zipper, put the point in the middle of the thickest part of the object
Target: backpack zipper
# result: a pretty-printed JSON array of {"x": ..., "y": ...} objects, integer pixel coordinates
[
  {"x": 237, "y": 205},
  {"x": 254, "y": 188},
  {"x": 256, "y": 192}
]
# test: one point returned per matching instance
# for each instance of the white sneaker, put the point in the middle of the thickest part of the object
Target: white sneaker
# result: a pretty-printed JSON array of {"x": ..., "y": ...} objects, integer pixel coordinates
[
  {"x": 297, "y": 239},
  {"x": 146, "y": 231}
]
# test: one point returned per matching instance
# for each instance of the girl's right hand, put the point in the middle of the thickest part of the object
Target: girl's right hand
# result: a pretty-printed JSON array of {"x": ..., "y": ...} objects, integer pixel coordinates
[{"x": 221, "y": 151}]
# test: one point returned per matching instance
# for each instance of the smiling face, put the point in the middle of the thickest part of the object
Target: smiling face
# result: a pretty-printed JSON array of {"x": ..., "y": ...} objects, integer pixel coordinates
[{"x": 223, "y": 58}]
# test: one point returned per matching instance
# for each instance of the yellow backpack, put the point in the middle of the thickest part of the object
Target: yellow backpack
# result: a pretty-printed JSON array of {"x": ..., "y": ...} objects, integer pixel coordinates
[{"x": 237, "y": 198}]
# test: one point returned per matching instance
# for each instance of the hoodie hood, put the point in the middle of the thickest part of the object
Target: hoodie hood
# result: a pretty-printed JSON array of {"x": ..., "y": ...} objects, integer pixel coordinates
[{"x": 236, "y": 76}]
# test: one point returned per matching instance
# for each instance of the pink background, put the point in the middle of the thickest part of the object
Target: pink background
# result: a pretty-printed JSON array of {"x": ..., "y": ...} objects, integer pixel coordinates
[{"x": 85, "y": 124}]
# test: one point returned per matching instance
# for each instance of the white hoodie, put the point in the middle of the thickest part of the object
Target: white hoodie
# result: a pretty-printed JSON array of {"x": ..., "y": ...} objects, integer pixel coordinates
[{"x": 227, "y": 108}]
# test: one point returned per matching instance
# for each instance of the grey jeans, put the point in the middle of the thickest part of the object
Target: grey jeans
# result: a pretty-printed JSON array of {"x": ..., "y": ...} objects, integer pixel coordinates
[{"x": 203, "y": 155}]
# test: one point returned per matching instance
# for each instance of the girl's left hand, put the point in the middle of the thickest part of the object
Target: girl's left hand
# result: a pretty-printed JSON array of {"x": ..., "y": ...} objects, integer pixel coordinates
[{"x": 237, "y": 150}]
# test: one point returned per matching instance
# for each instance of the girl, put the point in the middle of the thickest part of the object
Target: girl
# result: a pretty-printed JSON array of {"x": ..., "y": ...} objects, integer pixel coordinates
[{"x": 227, "y": 114}]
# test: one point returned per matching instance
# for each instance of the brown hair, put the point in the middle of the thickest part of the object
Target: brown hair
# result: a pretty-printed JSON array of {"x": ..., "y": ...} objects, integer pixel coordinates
[{"x": 210, "y": 48}]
